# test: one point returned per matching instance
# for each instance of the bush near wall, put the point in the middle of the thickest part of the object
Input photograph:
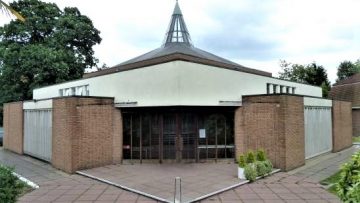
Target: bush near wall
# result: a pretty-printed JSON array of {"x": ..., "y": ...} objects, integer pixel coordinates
[
  {"x": 256, "y": 165},
  {"x": 10, "y": 186}
]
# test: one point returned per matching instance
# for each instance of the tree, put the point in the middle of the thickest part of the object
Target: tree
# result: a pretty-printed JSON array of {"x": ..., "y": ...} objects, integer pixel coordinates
[
  {"x": 8, "y": 10},
  {"x": 311, "y": 74},
  {"x": 292, "y": 72},
  {"x": 51, "y": 46},
  {"x": 347, "y": 69}
]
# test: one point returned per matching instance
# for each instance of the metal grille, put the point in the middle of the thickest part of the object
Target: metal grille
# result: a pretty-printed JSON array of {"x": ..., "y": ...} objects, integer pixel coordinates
[
  {"x": 38, "y": 133},
  {"x": 318, "y": 131}
]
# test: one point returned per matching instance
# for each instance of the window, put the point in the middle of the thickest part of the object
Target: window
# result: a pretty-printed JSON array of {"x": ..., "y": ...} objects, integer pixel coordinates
[
  {"x": 268, "y": 86},
  {"x": 87, "y": 91},
  {"x": 274, "y": 89},
  {"x": 61, "y": 92},
  {"x": 75, "y": 91},
  {"x": 293, "y": 90},
  {"x": 287, "y": 90},
  {"x": 281, "y": 89}
]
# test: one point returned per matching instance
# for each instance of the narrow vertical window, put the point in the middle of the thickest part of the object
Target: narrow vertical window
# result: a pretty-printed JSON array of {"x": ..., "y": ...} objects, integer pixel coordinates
[
  {"x": 87, "y": 90},
  {"x": 274, "y": 89},
  {"x": 268, "y": 85},
  {"x": 293, "y": 90},
  {"x": 61, "y": 92},
  {"x": 281, "y": 89},
  {"x": 73, "y": 91},
  {"x": 287, "y": 90}
]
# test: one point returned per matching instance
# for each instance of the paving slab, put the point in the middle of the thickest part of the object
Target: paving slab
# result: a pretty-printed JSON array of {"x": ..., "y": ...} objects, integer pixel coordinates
[
  {"x": 300, "y": 185},
  {"x": 157, "y": 180},
  {"x": 56, "y": 186}
]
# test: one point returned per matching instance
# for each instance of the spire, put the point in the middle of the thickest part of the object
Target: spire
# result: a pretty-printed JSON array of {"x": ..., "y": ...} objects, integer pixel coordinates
[{"x": 177, "y": 32}]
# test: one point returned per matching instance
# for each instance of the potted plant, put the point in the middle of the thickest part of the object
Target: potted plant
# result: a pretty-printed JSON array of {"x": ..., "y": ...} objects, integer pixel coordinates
[{"x": 241, "y": 167}]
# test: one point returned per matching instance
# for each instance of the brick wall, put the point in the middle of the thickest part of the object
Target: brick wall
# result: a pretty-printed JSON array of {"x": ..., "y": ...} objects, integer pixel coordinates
[
  {"x": 342, "y": 125},
  {"x": 117, "y": 136},
  {"x": 356, "y": 122},
  {"x": 348, "y": 92},
  {"x": 13, "y": 127},
  {"x": 274, "y": 123},
  {"x": 83, "y": 133}
]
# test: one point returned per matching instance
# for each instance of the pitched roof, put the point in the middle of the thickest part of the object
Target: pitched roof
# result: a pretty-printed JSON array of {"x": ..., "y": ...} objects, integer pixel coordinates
[
  {"x": 353, "y": 79},
  {"x": 177, "y": 46}
]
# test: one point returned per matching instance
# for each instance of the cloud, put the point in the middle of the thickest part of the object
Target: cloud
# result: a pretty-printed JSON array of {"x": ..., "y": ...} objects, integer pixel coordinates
[{"x": 254, "y": 33}]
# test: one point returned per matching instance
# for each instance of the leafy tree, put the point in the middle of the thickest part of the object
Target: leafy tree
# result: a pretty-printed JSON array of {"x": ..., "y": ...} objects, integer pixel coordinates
[
  {"x": 312, "y": 74},
  {"x": 292, "y": 72},
  {"x": 347, "y": 69},
  {"x": 51, "y": 46}
]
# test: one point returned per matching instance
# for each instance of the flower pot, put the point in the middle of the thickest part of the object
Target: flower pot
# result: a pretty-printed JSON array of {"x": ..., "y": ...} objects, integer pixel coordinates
[{"x": 241, "y": 174}]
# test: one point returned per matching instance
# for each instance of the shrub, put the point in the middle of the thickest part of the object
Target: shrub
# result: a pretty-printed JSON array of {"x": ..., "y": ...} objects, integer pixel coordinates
[
  {"x": 241, "y": 161},
  {"x": 250, "y": 157},
  {"x": 10, "y": 185},
  {"x": 250, "y": 172},
  {"x": 260, "y": 155},
  {"x": 260, "y": 168},
  {"x": 348, "y": 187},
  {"x": 268, "y": 166}
]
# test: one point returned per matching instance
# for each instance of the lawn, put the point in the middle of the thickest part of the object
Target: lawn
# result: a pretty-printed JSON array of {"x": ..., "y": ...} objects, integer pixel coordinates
[
  {"x": 330, "y": 181},
  {"x": 356, "y": 139}
]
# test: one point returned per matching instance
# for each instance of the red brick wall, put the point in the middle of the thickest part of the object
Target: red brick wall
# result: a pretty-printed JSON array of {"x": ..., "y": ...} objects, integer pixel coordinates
[
  {"x": 356, "y": 122},
  {"x": 342, "y": 125},
  {"x": 348, "y": 92},
  {"x": 275, "y": 124},
  {"x": 13, "y": 127},
  {"x": 83, "y": 133},
  {"x": 117, "y": 136}
]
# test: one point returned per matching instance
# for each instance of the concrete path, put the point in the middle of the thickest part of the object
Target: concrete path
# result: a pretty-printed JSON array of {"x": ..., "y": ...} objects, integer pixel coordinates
[
  {"x": 56, "y": 186},
  {"x": 296, "y": 186},
  {"x": 197, "y": 180}
]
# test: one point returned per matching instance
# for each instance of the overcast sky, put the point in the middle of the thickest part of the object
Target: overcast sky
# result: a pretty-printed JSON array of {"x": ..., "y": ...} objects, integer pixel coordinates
[{"x": 253, "y": 33}]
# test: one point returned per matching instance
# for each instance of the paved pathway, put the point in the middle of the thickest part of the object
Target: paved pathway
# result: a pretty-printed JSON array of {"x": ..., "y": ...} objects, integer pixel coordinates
[
  {"x": 56, "y": 186},
  {"x": 296, "y": 186},
  {"x": 197, "y": 180}
]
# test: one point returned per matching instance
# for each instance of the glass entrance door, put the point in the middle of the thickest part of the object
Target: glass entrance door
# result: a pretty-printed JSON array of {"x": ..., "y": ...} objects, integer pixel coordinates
[
  {"x": 169, "y": 136},
  {"x": 177, "y": 135},
  {"x": 188, "y": 137}
]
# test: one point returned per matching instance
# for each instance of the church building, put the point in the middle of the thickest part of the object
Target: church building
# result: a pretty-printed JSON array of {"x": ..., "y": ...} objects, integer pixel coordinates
[{"x": 176, "y": 104}]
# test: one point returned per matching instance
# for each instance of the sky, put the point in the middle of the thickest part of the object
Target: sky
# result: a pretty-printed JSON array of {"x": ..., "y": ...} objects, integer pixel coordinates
[{"x": 253, "y": 33}]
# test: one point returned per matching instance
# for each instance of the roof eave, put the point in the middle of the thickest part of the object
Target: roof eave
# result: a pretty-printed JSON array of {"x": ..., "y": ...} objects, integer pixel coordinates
[{"x": 174, "y": 57}]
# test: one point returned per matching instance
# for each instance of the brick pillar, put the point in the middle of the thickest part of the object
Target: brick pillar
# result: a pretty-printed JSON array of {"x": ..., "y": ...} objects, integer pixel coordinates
[
  {"x": 342, "y": 125},
  {"x": 294, "y": 133},
  {"x": 239, "y": 133},
  {"x": 14, "y": 127},
  {"x": 84, "y": 133},
  {"x": 274, "y": 123},
  {"x": 117, "y": 136}
]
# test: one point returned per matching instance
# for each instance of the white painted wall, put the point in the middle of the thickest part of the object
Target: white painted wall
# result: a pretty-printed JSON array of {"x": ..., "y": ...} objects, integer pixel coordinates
[
  {"x": 176, "y": 83},
  {"x": 43, "y": 104},
  {"x": 309, "y": 101}
]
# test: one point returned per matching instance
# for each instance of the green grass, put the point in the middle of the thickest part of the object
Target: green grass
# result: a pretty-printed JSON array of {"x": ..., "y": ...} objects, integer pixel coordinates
[
  {"x": 330, "y": 181},
  {"x": 356, "y": 139}
]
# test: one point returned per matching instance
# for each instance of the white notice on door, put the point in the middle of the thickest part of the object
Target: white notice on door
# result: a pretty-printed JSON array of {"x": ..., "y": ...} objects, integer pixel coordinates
[{"x": 202, "y": 133}]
